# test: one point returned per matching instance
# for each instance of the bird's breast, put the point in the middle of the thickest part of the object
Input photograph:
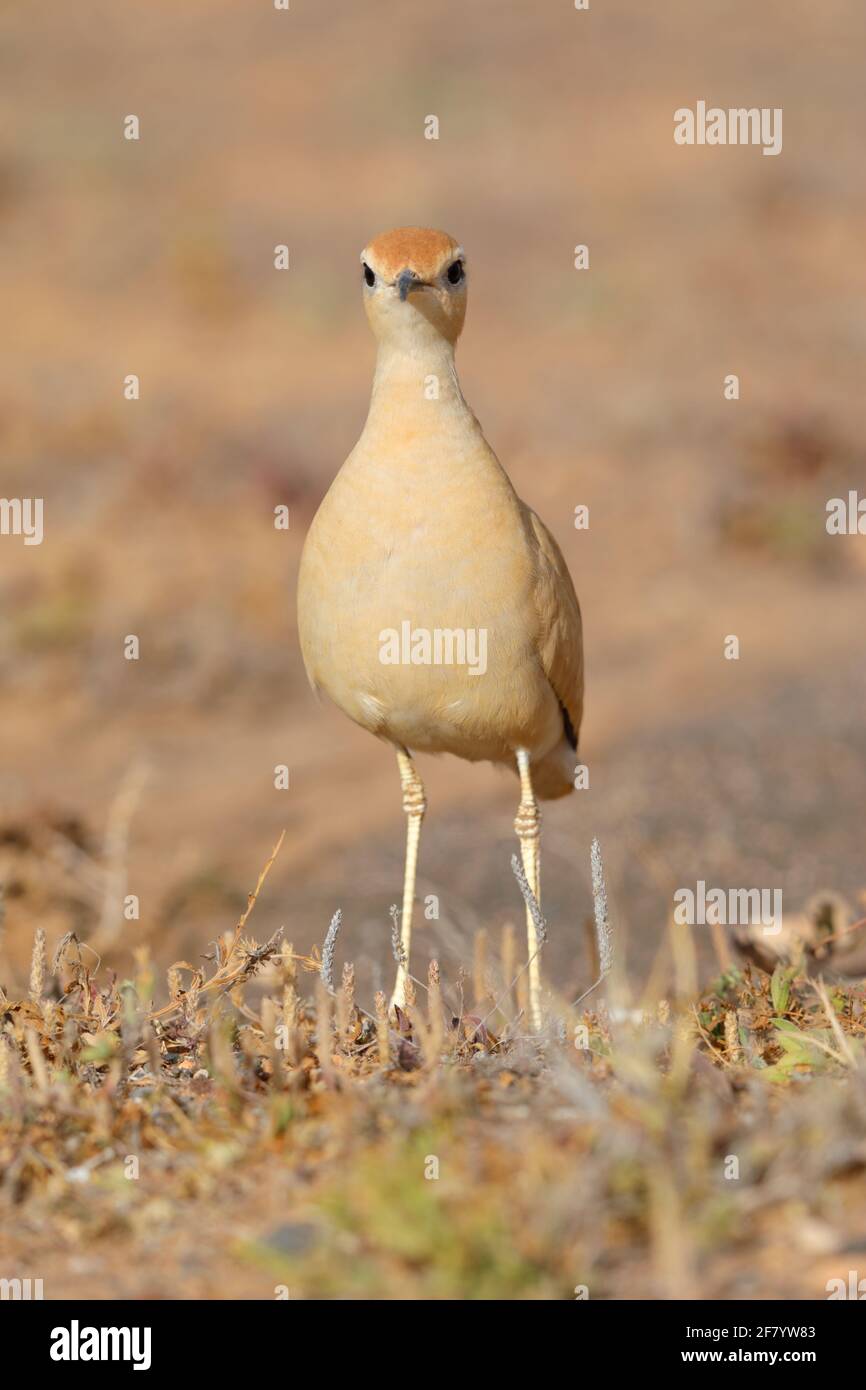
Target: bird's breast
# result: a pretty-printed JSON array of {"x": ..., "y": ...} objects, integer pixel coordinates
[{"x": 415, "y": 599}]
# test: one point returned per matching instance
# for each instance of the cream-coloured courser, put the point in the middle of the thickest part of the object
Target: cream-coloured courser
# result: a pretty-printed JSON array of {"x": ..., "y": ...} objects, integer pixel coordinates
[{"x": 421, "y": 553}]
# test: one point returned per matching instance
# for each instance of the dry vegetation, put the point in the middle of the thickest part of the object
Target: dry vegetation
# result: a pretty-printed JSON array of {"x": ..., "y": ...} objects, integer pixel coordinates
[{"x": 261, "y": 1131}]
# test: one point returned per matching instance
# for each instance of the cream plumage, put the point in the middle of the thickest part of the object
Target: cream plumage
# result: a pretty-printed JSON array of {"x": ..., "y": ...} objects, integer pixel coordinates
[{"x": 422, "y": 527}]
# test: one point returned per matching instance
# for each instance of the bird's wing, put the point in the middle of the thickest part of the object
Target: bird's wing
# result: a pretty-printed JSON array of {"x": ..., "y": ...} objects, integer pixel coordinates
[{"x": 560, "y": 642}]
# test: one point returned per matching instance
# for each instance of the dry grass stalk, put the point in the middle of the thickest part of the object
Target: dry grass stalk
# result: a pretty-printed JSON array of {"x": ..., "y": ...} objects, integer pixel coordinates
[
  {"x": 721, "y": 947},
  {"x": 324, "y": 1037},
  {"x": 291, "y": 1005},
  {"x": 683, "y": 1043},
  {"x": 591, "y": 946},
  {"x": 326, "y": 970},
  {"x": 37, "y": 965},
  {"x": 846, "y": 1053},
  {"x": 222, "y": 1058},
  {"x": 154, "y": 1056},
  {"x": 685, "y": 959},
  {"x": 435, "y": 1015},
  {"x": 273, "y": 1051},
  {"x": 479, "y": 968},
  {"x": 346, "y": 1005},
  {"x": 38, "y": 1067},
  {"x": 672, "y": 1258},
  {"x": 383, "y": 1031},
  {"x": 396, "y": 943},
  {"x": 521, "y": 993},
  {"x": 508, "y": 963},
  {"x": 538, "y": 919},
  {"x": 603, "y": 934},
  {"x": 115, "y": 856},
  {"x": 131, "y": 1020},
  {"x": 732, "y": 1038},
  {"x": 422, "y": 1038},
  {"x": 602, "y": 948},
  {"x": 236, "y": 961},
  {"x": 49, "y": 1012}
]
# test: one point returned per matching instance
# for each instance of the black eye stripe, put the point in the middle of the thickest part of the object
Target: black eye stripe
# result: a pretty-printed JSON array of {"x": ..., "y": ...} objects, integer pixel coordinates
[
  {"x": 455, "y": 272},
  {"x": 369, "y": 275}
]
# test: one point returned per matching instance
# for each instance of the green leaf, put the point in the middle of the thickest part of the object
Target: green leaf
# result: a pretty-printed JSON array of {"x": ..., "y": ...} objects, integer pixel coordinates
[{"x": 780, "y": 987}]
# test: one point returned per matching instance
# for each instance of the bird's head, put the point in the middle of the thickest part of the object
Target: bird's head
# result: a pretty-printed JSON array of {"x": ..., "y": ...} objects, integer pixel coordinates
[{"x": 414, "y": 280}]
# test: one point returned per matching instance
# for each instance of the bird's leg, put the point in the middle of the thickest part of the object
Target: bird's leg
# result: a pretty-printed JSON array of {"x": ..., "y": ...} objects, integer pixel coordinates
[
  {"x": 527, "y": 824},
  {"x": 414, "y": 804}
]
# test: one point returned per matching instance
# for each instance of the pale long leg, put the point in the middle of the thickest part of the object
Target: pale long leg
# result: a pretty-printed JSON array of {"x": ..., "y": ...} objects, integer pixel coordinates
[
  {"x": 414, "y": 804},
  {"x": 527, "y": 825}
]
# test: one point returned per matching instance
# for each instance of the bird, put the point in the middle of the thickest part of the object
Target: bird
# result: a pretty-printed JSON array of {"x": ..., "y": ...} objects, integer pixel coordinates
[{"x": 435, "y": 609}]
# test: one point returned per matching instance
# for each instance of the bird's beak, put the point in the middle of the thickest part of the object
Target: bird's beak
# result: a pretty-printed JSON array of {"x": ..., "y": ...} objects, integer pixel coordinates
[{"x": 406, "y": 281}]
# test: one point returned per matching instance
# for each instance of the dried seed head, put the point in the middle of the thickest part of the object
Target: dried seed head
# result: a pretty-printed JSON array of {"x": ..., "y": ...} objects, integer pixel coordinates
[
  {"x": 602, "y": 924},
  {"x": 287, "y": 962},
  {"x": 330, "y": 945},
  {"x": 732, "y": 1036},
  {"x": 37, "y": 965},
  {"x": 396, "y": 944},
  {"x": 529, "y": 898}
]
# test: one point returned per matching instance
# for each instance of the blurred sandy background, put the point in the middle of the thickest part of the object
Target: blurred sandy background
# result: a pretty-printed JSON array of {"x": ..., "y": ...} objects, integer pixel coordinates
[{"x": 603, "y": 387}]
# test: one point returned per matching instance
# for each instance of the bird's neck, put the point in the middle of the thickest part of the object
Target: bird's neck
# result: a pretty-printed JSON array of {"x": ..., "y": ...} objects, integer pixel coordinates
[{"x": 415, "y": 388}]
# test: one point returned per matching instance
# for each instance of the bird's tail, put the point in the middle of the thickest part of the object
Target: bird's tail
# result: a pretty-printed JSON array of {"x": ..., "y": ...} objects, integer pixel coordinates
[{"x": 553, "y": 775}]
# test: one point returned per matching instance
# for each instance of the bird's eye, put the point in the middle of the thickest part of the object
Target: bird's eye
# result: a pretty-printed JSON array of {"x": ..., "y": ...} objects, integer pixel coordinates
[
  {"x": 455, "y": 272},
  {"x": 369, "y": 275}
]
